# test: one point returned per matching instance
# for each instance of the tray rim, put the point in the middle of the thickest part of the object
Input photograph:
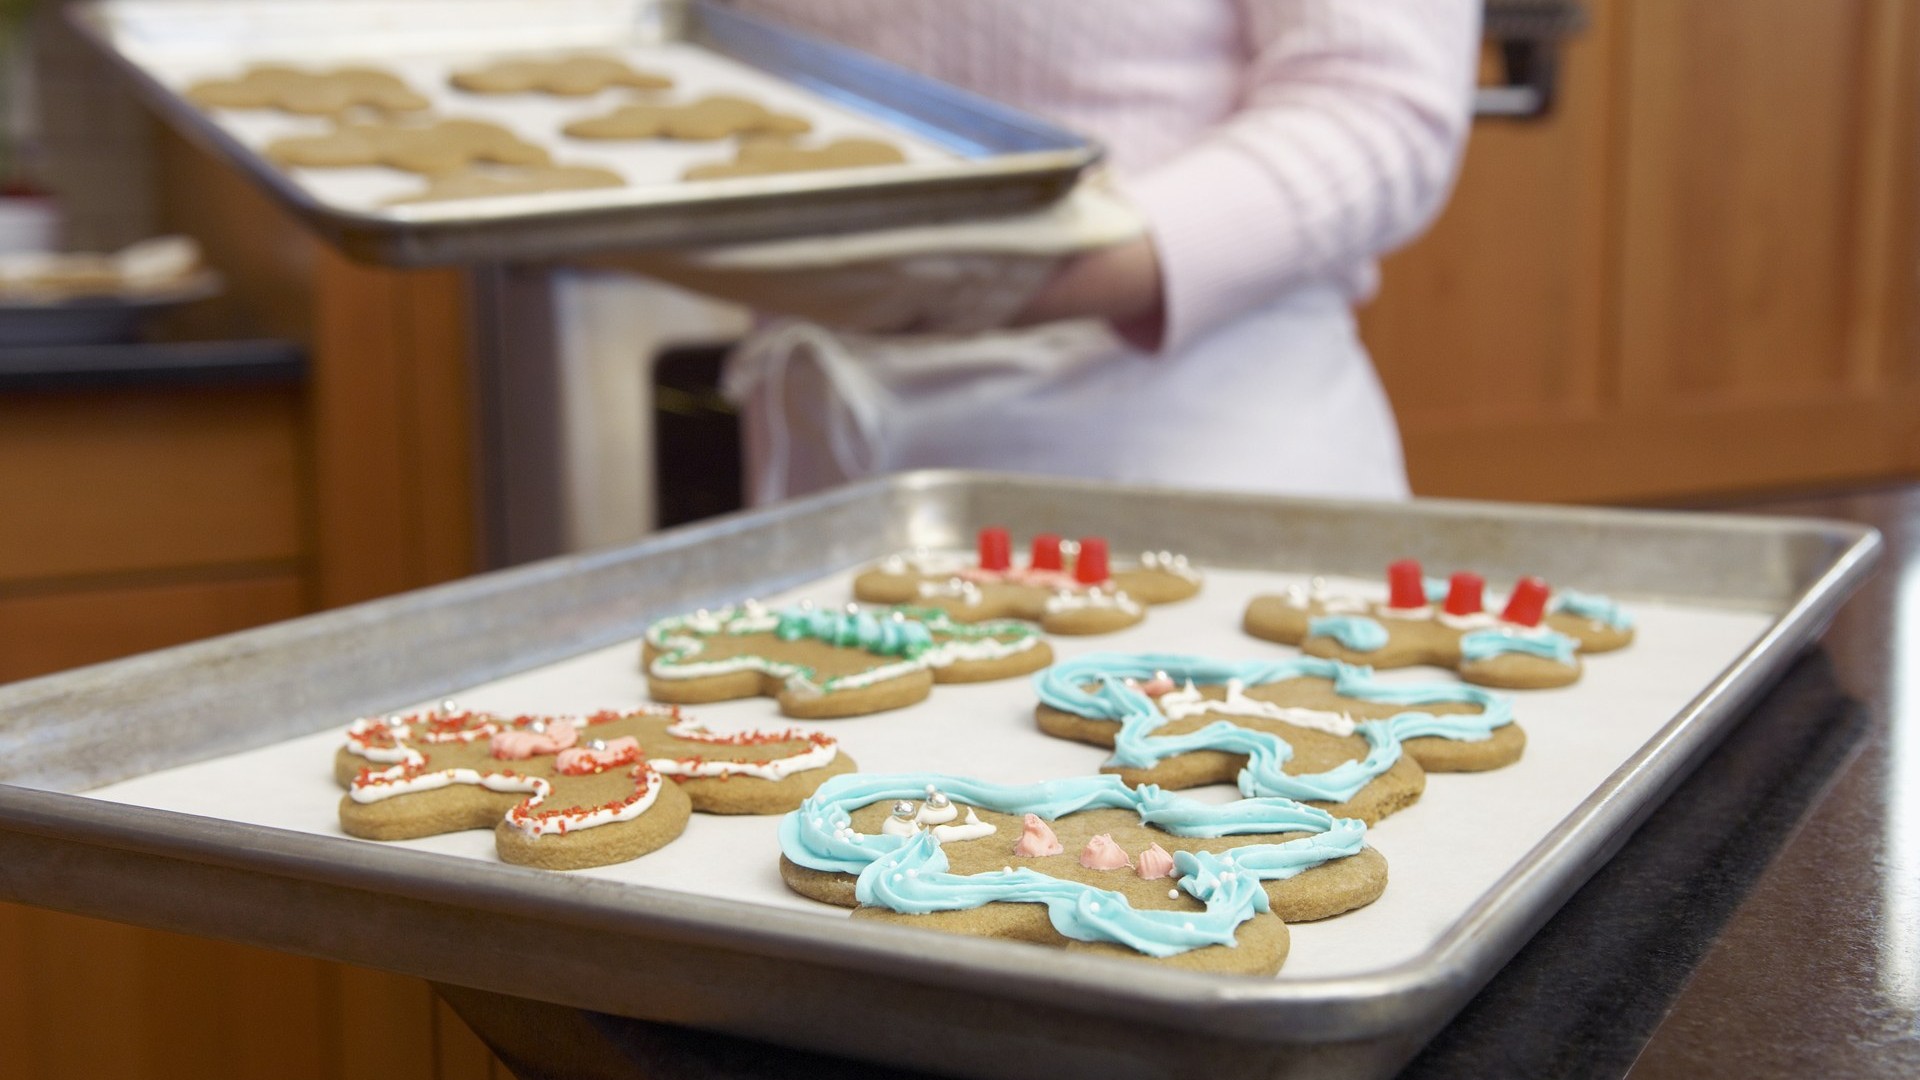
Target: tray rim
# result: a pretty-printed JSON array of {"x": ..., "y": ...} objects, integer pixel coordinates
[
  {"x": 1310, "y": 1010},
  {"x": 414, "y": 234}
]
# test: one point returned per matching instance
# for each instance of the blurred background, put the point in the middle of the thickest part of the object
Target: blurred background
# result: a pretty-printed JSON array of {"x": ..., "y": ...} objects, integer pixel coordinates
[{"x": 1683, "y": 261}]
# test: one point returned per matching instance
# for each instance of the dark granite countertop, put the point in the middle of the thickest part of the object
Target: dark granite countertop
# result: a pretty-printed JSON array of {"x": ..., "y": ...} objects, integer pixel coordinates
[{"x": 1765, "y": 923}]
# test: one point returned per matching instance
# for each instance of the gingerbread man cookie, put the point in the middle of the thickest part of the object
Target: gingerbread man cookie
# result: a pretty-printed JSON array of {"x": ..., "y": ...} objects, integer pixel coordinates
[
  {"x": 1085, "y": 864},
  {"x": 765, "y": 157},
  {"x": 1065, "y": 587},
  {"x": 1315, "y": 730},
  {"x": 563, "y": 793},
  {"x": 717, "y": 117},
  {"x": 562, "y": 76},
  {"x": 1534, "y": 643},
  {"x": 309, "y": 93},
  {"x": 483, "y": 182},
  {"x": 821, "y": 664},
  {"x": 433, "y": 148}
]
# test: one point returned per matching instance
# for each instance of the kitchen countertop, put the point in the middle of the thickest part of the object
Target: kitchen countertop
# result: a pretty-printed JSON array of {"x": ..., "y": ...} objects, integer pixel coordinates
[{"x": 1764, "y": 923}]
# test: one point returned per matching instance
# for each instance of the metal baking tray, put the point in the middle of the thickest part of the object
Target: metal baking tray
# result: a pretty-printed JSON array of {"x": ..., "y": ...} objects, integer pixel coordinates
[
  {"x": 970, "y": 1007},
  {"x": 987, "y": 159}
]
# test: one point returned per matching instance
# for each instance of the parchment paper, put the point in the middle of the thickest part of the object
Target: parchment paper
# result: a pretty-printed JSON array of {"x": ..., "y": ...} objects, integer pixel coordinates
[{"x": 1443, "y": 853}]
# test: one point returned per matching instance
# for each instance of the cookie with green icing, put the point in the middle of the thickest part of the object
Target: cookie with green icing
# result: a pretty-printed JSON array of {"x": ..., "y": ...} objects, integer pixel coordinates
[
  {"x": 1086, "y": 864},
  {"x": 820, "y": 663},
  {"x": 1067, "y": 587},
  {"x": 1535, "y": 642},
  {"x": 1315, "y": 730}
]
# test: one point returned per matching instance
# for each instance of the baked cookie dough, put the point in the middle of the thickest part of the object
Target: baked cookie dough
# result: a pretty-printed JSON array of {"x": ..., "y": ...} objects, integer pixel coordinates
[
  {"x": 710, "y": 118},
  {"x": 1323, "y": 732},
  {"x": 432, "y": 148},
  {"x": 1534, "y": 643},
  {"x": 821, "y": 664},
  {"x": 765, "y": 157},
  {"x": 563, "y": 793},
  {"x": 1086, "y": 864},
  {"x": 563, "y": 76},
  {"x": 308, "y": 92},
  {"x": 489, "y": 181},
  {"x": 1066, "y": 587}
]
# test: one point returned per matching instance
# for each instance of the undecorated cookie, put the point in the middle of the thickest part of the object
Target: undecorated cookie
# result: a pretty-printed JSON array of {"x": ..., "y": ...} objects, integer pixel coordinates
[
  {"x": 432, "y": 148},
  {"x": 1066, "y": 587},
  {"x": 482, "y": 181},
  {"x": 710, "y": 118},
  {"x": 1315, "y": 730},
  {"x": 765, "y": 157},
  {"x": 1085, "y": 864},
  {"x": 563, "y": 76},
  {"x": 311, "y": 93},
  {"x": 1534, "y": 643},
  {"x": 563, "y": 793},
  {"x": 821, "y": 664}
]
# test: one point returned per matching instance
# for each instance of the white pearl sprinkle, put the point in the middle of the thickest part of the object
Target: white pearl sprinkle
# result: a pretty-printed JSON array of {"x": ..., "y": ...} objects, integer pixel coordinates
[{"x": 1173, "y": 894}]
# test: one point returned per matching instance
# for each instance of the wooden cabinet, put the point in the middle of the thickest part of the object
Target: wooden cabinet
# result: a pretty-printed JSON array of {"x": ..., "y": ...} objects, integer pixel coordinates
[
  {"x": 136, "y": 518},
  {"x": 1699, "y": 275}
]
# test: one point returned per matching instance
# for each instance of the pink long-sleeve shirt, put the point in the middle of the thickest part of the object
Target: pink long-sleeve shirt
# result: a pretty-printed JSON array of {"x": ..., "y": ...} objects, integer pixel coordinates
[{"x": 1270, "y": 144}]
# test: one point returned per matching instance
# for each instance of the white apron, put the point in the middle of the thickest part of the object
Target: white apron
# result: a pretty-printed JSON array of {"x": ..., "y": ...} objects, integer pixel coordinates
[{"x": 1281, "y": 400}]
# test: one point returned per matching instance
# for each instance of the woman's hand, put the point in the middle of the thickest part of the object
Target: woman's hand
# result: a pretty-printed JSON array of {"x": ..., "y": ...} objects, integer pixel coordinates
[{"x": 1120, "y": 284}]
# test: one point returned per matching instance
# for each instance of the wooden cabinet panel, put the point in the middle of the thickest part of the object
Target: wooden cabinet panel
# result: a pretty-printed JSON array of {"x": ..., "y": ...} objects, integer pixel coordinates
[
  {"x": 1747, "y": 245},
  {"x": 94, "y": 483},
  {"x": 1496, "y": 312},
  {"x": 50, "y": 631},
  {"x": 1701, "y": 274},
  {"x": 85, "y": 997}
]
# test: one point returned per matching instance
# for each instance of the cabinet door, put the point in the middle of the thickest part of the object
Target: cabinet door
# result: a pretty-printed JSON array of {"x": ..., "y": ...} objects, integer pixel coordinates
[{"x": 1698, "y": 275}]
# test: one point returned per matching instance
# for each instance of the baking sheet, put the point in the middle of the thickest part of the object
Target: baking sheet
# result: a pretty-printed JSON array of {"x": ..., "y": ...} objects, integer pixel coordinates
[
  {"x": 1443, "y": 854},
  {"x": 967, "y": 157}
]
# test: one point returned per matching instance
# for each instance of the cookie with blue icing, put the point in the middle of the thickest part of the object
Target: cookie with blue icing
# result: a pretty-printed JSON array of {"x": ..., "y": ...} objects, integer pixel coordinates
[
  {"x": 1068, "y": 587},
  {"x": 1087, "y": 864},
  {"x": 821, "y": 664},
  {"x": 1535, "y": 642},
  {"x": 1322, "y": 732}
]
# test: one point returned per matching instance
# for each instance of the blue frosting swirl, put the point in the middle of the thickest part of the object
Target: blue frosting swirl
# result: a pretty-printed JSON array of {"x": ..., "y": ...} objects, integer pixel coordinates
[
  {"x": 1095, "y": 686},
  {"x": 1500, "y": 641},
  {"x": 1356, "y": 632},
  {"x": 1592, "y": 606},
  {"x": 912, "y": 874}
]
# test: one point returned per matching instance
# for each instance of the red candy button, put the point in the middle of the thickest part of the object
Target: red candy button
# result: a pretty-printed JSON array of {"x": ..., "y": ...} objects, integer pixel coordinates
[
  {"x": 1405, "y": 587},
  {"x": 1046, "y": 552},
  {"x": 1464, "y": 593},
  {"x": 1090, "y": 567},
  {"x": 1528, "y": 604},
  {"x": 996, "y": 549}
]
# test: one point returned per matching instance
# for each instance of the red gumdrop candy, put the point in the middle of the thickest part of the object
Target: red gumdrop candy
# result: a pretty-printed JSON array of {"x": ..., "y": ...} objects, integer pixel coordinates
[
  {"x": 1046, "y": 552},
  {"x": 1528, "y": 604},
  {"x": 1405, "y": 587},
  {"x": 996, "y": 549},
  {"x": 1464, "y": 593},
  {"x": 1090, "y": 567}
]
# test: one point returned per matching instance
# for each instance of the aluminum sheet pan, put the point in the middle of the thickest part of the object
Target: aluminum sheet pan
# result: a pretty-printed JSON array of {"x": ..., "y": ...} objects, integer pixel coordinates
[
  {"x": 789, "y": 973},
  {"x": 967, "y": 156}
]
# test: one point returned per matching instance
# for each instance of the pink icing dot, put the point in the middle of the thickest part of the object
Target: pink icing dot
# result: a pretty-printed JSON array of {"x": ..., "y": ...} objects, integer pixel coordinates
[
  {"x": 582, "y": 759},
  {"x": 1101, "y": 853},
  {"x": 1155, "y": 863},
  {"x": 1036, "y": 839},
  {"x": 514, "y": 744}
]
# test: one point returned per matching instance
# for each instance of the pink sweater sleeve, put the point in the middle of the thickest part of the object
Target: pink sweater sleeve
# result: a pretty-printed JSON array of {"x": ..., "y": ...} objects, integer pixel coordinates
[{"x": 1349, "y": 131}]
